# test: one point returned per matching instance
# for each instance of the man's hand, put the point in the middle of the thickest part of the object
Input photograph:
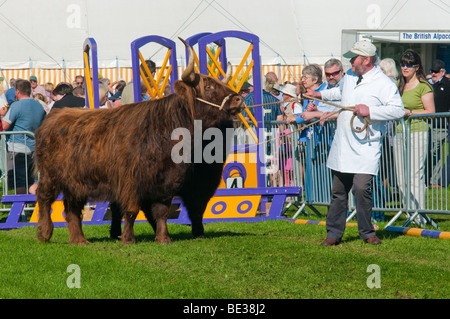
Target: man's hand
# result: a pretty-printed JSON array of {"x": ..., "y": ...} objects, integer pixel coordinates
[
  {"x": 307, "y": 116},
  {"x": 361, "y": 110},
  {"x": 312, "y": 93},
  {"x": 327, "y": 116},
  {"x": 311, "y": 107},
  {"x": 3, "y": 111},
  {"x": 291, "y": 119}
]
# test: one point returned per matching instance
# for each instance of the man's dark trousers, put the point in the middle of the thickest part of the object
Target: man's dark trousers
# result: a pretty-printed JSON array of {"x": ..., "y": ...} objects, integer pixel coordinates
[{"x": 361, "y": 186}]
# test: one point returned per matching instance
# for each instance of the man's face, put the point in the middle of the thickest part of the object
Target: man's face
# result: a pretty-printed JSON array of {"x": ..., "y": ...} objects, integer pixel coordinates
[
  {"x": 333, "y": 74},
  {"x": 33, "y": 84},
  {"x": 359, "y": 63},
  {"x": 437, "y": 75},
  {"x": 79, "y": 81}
]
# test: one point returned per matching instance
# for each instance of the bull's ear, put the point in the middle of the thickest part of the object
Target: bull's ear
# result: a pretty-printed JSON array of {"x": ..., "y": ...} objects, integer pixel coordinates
[
  {"x": 187, "y": 75},
  {"x": 227, "y": 77}
]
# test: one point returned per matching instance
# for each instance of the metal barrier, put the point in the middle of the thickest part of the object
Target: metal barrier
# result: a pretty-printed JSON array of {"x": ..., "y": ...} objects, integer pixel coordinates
[{"x": 16, "y": 165}]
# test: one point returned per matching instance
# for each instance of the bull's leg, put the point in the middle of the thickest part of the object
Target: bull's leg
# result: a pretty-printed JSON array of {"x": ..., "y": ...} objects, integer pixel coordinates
[
  {"x": 128, "y": 228},
  {"x": 73, "y": 212},
  {"x": 196, "y": 207},
  {"x": 160, "y": 212},
  {"x": 147, "y": 209},
  {"x": 44, "y": 197},
  {"x": 116, "y": 220}
]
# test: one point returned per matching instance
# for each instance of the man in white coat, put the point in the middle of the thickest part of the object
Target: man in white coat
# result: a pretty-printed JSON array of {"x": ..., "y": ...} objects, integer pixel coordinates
[{"x": 354, "y": 157}]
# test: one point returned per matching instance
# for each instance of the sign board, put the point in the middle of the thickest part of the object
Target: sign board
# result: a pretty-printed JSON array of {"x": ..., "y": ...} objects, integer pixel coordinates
[{"x": 424, "y": 36}]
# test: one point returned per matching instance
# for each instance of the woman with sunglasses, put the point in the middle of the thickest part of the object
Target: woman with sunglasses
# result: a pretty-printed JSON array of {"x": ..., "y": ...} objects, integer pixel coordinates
[{"x": 417, "y": 96}]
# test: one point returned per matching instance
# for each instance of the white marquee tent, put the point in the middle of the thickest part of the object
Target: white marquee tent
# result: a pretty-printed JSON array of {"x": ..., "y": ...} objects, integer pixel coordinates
[{"x": 49, "y": 34}]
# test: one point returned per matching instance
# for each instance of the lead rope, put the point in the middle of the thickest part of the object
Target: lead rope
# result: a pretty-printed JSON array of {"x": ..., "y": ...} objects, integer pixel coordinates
[{"x": 342, "y": 108}]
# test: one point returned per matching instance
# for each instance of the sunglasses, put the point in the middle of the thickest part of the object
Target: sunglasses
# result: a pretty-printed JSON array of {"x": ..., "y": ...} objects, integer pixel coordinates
[
  {"x": 332, "y": 74},
  {"x": 433, "y": 71},
  {"x": 409, "y": 66}
]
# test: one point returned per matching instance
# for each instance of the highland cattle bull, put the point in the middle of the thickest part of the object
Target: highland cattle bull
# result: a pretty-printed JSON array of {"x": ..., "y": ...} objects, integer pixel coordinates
[{"x": 124, "y": 156}]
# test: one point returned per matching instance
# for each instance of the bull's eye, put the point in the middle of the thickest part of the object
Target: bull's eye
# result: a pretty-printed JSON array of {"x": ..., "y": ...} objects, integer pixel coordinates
[{"x": 210, "y": 87}]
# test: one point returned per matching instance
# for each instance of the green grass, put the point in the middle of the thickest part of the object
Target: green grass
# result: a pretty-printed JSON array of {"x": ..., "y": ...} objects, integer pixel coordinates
[{"x": 273, "y": 259}]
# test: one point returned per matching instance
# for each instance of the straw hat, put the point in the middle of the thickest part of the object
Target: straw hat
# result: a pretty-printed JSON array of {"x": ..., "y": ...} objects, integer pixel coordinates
[{"x": 290, "y": 90}]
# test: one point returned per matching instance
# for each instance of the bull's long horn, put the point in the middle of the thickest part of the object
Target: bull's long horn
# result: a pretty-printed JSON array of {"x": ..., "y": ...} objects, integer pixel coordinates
[
  {"x": 227, "y": 77},
  {"x": 187, "y": 75}
]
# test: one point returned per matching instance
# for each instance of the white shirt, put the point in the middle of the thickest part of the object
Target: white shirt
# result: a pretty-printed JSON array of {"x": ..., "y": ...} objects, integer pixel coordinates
[{"x": 353, "y": 152}]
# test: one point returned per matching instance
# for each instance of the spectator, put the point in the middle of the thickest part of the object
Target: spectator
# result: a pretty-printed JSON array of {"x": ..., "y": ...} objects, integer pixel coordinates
[
  {"x": 417, "y": 96},
  {"x": 79, "y": 81},
  {"x": 24, "y": 115},
  {"x": 245, "y": 89},
  {"x": 333, "y": 72},
  {"x": 34, "y": 82},
  {"x": 441, "y": 89},
  {"x": 387, "y": 173},
  {"x": 387, "y": 65},
  {"x": 128, "y": 91},
  {"x": 40, "y": 96},
  {"x": 312, "y": 81},
  {"x": 313, "y": 141},
  {"x": 103, "y": 95},
  {"x": 116, "y": 99},
  {"x": 289, "y": 92},
  {"x": 64, "y": 97},
  {"x": 272, "y": 112},
  {"x": 119, "y": 86},
  {"x": 107, "y": 82},
  {"x": 11, "y": 92},
  {"x": 48, "y": 92},
  {"x": 272, "y": 76},
  {"x": 3, "y": 101},
  {"x": 79, "y": 91}
]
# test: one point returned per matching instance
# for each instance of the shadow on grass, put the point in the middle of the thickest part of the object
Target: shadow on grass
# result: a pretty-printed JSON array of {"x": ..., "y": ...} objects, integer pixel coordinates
[{"x": 176, "y": 236}]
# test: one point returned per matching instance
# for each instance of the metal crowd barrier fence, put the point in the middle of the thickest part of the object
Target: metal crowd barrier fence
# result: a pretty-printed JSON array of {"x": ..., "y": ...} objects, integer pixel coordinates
[
  {"x": 413, "y": 175},
  {"x": 16, "y": 164}
]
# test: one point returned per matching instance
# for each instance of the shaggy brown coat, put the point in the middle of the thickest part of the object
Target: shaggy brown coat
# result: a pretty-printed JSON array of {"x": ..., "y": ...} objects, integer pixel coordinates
[{"x": 123, "y": 155}]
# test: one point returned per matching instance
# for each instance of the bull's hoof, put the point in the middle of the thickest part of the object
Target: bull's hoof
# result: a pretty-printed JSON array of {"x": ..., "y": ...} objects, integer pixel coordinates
[
  {"x": 43, "y": 237},
  {"x": 79, "y": 241},
  {"x": 128, "y": 241},
  {"x": 164, "y": 240}
]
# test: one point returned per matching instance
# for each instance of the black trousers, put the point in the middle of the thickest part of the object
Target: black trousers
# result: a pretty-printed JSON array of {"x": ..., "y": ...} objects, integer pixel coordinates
[{"x": 361, "y": 186}]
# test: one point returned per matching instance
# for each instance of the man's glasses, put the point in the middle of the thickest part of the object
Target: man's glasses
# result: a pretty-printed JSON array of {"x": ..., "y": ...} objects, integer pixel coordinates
[
  {"x": 80, "y": 83},
  {"x": 433, "y": 71},
  {"x": 332, "y": 74},
  {"x": 409, "y": 66}
]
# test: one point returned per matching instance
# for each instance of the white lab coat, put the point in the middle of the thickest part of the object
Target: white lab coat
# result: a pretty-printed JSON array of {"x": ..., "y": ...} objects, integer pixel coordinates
[{"x": 353, "y": 152}]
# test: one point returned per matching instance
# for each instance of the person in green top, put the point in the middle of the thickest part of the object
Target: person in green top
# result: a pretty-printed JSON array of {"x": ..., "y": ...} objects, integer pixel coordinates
[{"x": 417, "y": 96}]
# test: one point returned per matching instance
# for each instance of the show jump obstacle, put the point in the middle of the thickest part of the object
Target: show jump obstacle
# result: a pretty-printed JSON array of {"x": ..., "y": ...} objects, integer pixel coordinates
[{"x": 242, "y": 194}]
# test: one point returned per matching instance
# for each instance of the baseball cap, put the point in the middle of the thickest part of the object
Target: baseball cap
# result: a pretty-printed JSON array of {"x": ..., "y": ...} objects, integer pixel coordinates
[
  {"x": 33, "y": 78},
  {"x": 364, "y": 48},
  {"x": 437, "y": 65}
]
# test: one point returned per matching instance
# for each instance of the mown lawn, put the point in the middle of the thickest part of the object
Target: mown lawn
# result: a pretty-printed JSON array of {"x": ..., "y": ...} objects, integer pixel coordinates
[{"x": 264, "y": 260}]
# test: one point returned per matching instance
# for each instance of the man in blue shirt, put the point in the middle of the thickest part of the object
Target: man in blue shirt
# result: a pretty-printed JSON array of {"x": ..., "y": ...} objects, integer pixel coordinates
[{"x": 26, "y": 114}]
